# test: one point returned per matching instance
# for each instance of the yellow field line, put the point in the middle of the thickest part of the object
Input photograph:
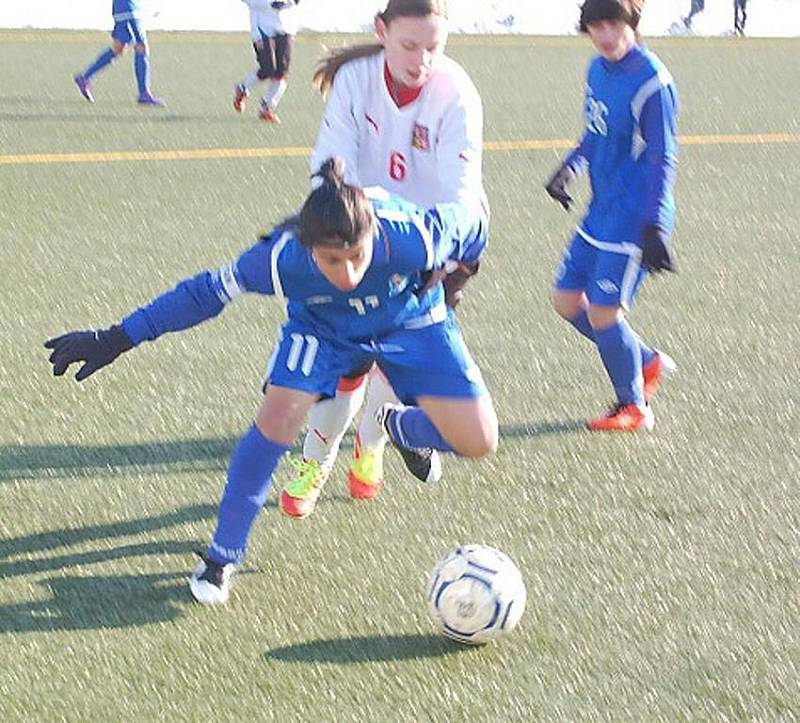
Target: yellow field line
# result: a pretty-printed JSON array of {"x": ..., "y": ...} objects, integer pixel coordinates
[{"x": 294, "y": 151}]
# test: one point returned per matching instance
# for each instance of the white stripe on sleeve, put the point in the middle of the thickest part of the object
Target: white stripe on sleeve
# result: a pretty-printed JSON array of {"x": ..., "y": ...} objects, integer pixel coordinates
[{"x": 277, "y": 286}]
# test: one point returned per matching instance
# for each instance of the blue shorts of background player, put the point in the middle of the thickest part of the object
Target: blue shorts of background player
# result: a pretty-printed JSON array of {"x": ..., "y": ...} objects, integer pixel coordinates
[
  {"x": 609, "y": 274},
  {"x": 126, "y": 30}
]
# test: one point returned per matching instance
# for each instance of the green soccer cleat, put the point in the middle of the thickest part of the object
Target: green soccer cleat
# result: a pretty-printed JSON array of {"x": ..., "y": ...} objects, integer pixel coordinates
[{"x": 298, "y": 498}]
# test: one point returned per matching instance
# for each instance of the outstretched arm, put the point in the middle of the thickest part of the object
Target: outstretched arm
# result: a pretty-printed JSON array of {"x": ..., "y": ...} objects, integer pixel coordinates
[{"x": 190, "y": 303}]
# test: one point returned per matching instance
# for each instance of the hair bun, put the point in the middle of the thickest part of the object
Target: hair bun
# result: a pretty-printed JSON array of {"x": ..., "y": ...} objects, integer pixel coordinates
[{"x": 332, "y": 171}]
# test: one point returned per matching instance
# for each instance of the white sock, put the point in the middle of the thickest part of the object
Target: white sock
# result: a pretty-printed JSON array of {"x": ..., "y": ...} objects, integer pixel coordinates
[
  {"x": 275, "y": 91},
  {"x": 379, "y": 391},
  {"x": 328, "y": 421},
  {"x": 251, "y": 79}
]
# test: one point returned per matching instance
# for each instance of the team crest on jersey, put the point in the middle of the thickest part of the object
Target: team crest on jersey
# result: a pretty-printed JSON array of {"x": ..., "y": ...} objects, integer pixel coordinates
[
  {"x": 421, "y": 138},
  {"x": 595, "y": 114},
  {"x": 397, "y": 282}
]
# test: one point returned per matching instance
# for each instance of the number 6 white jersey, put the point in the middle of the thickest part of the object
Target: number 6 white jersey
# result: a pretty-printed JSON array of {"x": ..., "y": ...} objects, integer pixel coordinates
[{"x": 428, "y": 151}]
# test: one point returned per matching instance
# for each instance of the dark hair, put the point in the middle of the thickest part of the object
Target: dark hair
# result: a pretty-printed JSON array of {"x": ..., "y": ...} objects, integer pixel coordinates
[
  {"x": 595, "y": 11},
  {"x": 335, "y": 214},
  {"x": 328, "y": 67}
]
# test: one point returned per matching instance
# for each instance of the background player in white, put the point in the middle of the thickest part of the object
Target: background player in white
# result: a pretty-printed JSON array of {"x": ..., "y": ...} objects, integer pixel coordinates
[
  {"x": 273, "y": 25},
  {"x": 405, "y": 117}
]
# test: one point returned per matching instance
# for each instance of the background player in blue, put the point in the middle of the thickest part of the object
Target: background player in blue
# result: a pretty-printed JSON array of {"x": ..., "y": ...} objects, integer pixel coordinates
[
  {"x": 739, "y": 16},
  {"x": 351, "y": 267},
  {"x": 127, "y": 29},
  {"x": 630, "y": 149},
  {"x": 697, "y": 7}
]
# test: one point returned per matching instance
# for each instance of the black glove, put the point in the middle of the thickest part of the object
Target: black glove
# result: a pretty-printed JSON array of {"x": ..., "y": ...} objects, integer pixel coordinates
[
  {"x": 656, "y": 253},
  {"x": 455, "y": 282},
  {"x": 279, "y": 4},
  {"x": 557, "y": 186},
  {"x": 95, "y": 348}
]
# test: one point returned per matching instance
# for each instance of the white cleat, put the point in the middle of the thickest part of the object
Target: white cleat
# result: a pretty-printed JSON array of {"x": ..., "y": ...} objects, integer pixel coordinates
[{"x": 210, "y": 583}]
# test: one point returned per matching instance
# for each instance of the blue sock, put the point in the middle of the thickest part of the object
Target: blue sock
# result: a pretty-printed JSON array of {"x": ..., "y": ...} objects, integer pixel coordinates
[
  {"x": 249, "y": 478},
  {"x": 102, "y": 60},
  {"x": 581, "y": 323},
  {"x": 413, "y": 429},
  {"x": 141, "y": 64},
  {"x": 648, "y": 353},
  {"x": 620, "y": 351}
]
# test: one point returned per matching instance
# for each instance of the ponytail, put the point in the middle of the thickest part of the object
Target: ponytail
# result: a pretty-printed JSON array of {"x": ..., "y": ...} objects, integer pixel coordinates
[
  {"x": 335, "y": 214},
  {"x": 327, "y": 68}
]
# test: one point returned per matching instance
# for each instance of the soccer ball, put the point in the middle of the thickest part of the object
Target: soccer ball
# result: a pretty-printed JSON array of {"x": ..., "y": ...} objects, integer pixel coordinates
[{"x": 476, "y": 594}]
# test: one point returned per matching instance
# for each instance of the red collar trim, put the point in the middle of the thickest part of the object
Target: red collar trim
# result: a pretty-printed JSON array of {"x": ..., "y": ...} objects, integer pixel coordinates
[{"x": 400, "y": 94}]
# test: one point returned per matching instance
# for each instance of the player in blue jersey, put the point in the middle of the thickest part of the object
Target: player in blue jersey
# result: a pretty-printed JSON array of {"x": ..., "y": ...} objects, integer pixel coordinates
[
  {"x": 127, "y": 29},
  {"x": 352, "y": 268},
  {"x": 739, "y": 16},
  {"x": 630, "y": 149},
  {"x": 697, "y": 7}
]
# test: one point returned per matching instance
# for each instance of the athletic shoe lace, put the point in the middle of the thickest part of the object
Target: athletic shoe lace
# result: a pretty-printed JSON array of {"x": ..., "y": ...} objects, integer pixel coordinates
[{"x": 309, "y": 477}]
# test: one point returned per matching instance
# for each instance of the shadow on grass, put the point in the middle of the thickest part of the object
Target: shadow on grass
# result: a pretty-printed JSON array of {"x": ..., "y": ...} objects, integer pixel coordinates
[
  {"x": 99, "y": 602},
  {"x": 78, "y": 559},
  {"x": 532, "y": 430},
  {"x": 20, "y": 462},
  {"x": 368, "y": 649},
  {"x": 81, "y": 602},
  {"x": 53, "y": 539},
  {"x": 58, "y": 460}
]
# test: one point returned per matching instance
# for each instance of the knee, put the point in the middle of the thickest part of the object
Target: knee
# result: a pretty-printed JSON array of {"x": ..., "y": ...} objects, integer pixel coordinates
[
  {"x": 565, "y": 306},
  {"x": 603, "y": 317},
  {"x": 479, "y": 443},
  {"x": 141, "y": 48}
]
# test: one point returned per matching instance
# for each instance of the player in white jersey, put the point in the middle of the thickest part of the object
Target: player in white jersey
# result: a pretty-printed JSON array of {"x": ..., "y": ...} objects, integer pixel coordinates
[
  {"x": 273, "y": 25},
  {"x": 407, "y": 118}
]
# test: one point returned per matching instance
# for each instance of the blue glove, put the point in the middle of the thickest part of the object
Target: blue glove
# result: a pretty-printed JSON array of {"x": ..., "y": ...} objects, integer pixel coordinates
[
  {"x": 279, "y": 4},
  {"x": 656, "y": 252},
  {"x": 95, "y": 349}
]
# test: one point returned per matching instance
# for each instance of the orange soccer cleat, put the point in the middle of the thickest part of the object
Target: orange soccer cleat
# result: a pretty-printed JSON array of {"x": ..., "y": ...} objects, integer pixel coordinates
[
  {"x": 240, "y": 94},
  {"x": 365, "y": 476},
  {"x": 269, "y": 115},
  {"x": 655, "y": 372},
  {"x": 624, "y": 418}
]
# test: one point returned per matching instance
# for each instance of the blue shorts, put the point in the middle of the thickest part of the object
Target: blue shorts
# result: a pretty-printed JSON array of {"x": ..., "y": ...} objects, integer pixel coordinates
[
  {"x": 609, "y": 273},
  {"x": 126, "y": 30},
  {"x": 428, "y": 362}
]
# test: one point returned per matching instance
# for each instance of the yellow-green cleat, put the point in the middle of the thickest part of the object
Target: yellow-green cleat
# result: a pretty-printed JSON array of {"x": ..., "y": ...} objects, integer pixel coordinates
[
  {"x": 299, "y": 497},
  {"x": 365, "y": 476}
]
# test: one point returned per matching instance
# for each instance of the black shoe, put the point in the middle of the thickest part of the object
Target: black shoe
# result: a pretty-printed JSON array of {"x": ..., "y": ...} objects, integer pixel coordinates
[{"x": 425, "y": 463}]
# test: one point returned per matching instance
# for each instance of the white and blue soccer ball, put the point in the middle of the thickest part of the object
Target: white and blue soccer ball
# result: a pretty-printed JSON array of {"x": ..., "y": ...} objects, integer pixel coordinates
[{"x": 476, "y": 594}]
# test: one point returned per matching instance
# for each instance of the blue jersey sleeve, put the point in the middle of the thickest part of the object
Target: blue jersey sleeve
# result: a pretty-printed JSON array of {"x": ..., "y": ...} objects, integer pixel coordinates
[
  {"x": 204, "y": 296},
  {"x": 428, "y": 239},
  {"x": 658, "y": 125},
  {"x": 459, "y": 233},
  {"x": 581, "y": 156}
]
